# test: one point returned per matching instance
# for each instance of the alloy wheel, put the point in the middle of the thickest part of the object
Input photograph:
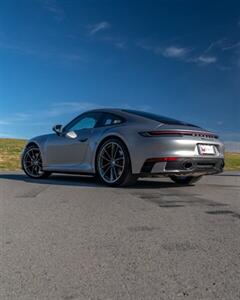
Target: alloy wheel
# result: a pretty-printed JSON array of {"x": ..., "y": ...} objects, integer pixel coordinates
[
  {"x": 32, "y": 162},
  {"x": 111, "y": 162}
]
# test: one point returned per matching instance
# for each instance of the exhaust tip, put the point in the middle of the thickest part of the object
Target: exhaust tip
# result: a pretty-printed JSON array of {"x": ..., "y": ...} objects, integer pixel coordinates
[{"x": 187, "y": 165}]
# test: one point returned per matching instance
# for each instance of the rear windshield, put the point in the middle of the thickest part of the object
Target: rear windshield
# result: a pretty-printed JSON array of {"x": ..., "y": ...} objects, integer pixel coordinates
[{"x": 161, "y": 119}]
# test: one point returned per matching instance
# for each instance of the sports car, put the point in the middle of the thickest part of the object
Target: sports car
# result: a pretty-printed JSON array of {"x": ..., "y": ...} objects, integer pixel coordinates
[{"x": 120, "y": 145}]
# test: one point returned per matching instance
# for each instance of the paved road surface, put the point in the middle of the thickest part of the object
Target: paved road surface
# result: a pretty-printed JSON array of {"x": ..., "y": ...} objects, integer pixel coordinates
[{"x": 70, "y": 238}]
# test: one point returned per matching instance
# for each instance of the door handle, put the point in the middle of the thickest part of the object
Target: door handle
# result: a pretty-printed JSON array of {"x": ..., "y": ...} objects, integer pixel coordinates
[{"x": 83, "y": 140}]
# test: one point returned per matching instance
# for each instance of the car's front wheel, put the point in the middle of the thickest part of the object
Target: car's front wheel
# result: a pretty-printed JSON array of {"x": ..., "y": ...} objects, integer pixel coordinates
[
  {"x": 32, "y": 163},
  {"x": 113, "y": 164},
  {"x": 185, "y": 180}
]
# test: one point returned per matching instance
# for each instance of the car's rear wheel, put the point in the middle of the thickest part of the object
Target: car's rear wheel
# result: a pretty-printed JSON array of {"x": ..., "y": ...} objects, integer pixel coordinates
[
  {"x": 185, "y": 180},
  {"x": 32, "y": 163},
  {"x": 113, "y": 164}
]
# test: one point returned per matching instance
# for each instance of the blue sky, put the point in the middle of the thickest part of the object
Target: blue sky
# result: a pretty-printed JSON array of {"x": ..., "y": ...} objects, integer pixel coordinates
[{"x": 61, "y": 57}]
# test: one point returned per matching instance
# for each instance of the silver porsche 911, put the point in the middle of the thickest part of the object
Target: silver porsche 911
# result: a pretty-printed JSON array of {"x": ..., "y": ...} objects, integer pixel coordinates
[{"x": 121, "y": 145}]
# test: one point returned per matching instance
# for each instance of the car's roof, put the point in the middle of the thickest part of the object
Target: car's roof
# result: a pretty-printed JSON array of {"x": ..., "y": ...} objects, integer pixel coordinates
[
  {"x": 119, "y": 111},
  {"x": 110, "y": 110},
  {"x": 142, "y": 116},
  {"x": 124, "y": 113}
]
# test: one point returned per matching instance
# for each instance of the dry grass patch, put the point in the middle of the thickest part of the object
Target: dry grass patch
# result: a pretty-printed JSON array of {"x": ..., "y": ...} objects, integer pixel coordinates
[
  {"x": 10, "y": 150},
  {"x": 232, "y": 161}
]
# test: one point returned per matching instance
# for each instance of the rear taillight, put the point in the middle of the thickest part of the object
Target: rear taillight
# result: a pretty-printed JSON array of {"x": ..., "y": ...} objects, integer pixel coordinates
[
  {"x": 178, "y": 133},
  {"x": 159, "y": 159}
]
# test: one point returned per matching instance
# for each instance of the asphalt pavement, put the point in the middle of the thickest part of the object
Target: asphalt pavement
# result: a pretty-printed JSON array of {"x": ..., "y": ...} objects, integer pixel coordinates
[{"x": 68, "y": 237}]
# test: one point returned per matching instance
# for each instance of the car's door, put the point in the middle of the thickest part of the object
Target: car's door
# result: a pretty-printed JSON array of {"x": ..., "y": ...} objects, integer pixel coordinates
[{"x": 67, "y": 150}]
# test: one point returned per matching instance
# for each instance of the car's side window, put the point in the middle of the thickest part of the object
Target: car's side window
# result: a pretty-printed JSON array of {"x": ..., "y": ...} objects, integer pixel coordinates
[
  {"x": 87, "y": 121},
  {"x": 110, "y": 119}
]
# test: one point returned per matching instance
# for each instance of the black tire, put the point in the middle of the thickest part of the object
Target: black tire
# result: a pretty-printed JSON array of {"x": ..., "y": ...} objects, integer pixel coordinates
[
  {"x": 38, "y": 175},
  {"x": 185, "y": 180},
  {"x": 126, "y": 178}
]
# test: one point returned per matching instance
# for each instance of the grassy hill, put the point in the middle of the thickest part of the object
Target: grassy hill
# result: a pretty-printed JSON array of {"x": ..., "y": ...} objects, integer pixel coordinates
[
  {"x": 10, "y": 150},
  {"x": 232, "y": 161}
]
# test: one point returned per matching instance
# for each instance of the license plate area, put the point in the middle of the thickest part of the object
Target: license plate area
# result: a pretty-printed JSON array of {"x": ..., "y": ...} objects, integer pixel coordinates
[{"x": 205, "y": 149}]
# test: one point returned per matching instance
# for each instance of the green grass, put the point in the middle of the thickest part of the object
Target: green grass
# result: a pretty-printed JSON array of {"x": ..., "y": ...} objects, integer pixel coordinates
[
  {"x": 10, "y": 150},
  {"x": 232, "y": 161}
]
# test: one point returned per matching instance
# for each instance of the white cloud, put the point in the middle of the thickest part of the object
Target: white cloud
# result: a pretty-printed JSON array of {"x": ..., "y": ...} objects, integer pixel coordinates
[
  {"x": 174, "y": 52},
  {"x": 93, "y": 29},
  {"x": 205, "y": 60},
  {"x": 181, "y": 53},
  {"x": 168, "y": 52}
]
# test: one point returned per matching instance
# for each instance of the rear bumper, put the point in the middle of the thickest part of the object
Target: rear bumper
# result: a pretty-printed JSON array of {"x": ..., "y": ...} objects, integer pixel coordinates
[
  {"x": 184, "y": 166},
  {"x": 144, "y": 148}
]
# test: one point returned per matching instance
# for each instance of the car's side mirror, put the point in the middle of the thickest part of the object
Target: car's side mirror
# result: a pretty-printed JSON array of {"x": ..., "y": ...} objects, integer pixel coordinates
[{"x": 58, "y": 129}]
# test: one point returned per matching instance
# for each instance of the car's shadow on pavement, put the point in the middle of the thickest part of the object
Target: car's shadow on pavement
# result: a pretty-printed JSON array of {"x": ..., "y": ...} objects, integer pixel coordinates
[{"x": 86, "y": 181}]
